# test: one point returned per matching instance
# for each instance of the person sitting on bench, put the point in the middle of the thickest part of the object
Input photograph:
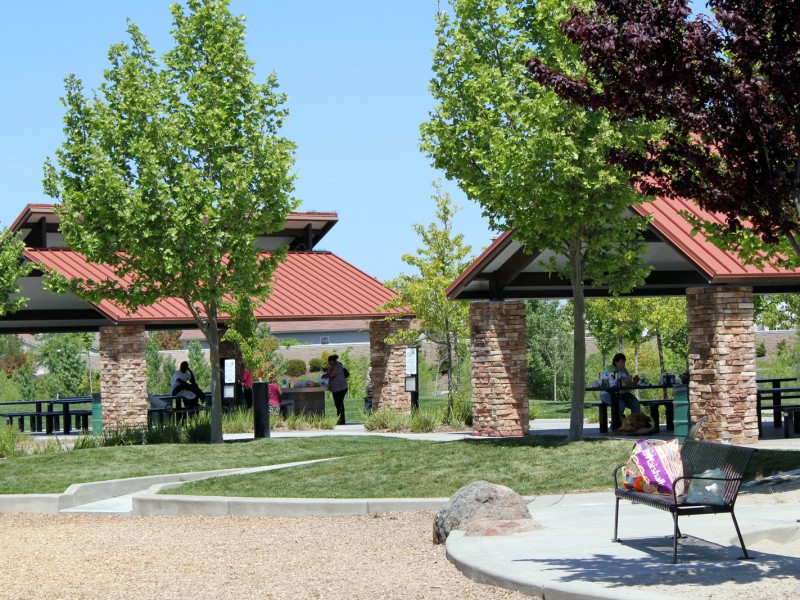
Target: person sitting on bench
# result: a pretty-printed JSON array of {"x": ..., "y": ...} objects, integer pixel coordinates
[
  {"x": 184, "y": 386},
  {"x": 621, "y": 377}
]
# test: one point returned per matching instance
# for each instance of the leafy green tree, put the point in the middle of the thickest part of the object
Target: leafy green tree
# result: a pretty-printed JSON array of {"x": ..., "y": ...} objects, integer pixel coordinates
[
  {"x": 170, "y": 173},
  {"x": 618, "y": 322},
  {"x": 63, "y": 355},
  {"x": 777, "y": 311},
  {"x": 12, "y": 267},
  {"x": 535, "y": 163},
  {"x": 159, "y": 368},
  {"x": 9, "y": 388},
  {"x": 168, "y": 339},
  {"x": 12, "y": 354},
  {"x": 200, "y": 366},
  {"x": 258, "y": 346},
  {"x": 438, "y": 262},
  {"x": 549, "y": 348}
]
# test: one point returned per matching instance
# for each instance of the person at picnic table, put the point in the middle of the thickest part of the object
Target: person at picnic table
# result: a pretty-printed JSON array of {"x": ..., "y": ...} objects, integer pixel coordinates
[
  {"x": 274, "y": 391},
  {"x": 621, "y": 377},
  {"x": 184, "y": 386}
]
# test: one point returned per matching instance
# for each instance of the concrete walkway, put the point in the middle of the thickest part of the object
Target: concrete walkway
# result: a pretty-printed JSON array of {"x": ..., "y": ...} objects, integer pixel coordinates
[{"x": 571, "y": 556}]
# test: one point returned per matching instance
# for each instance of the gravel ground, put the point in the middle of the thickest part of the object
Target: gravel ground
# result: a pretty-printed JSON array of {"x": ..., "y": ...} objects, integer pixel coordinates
[
  {"x": 84, "y": 556},
  {"x": 387, "y": 556}
]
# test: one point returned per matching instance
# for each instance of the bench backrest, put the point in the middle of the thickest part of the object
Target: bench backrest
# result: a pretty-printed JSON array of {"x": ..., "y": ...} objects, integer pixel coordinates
[{"x": 699, "y": 456}]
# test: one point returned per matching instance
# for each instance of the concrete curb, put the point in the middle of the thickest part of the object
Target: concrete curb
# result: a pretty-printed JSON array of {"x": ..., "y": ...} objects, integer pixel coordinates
[
  {"x": 79, "y": 494},
  {"x": 152, "y": 503}
]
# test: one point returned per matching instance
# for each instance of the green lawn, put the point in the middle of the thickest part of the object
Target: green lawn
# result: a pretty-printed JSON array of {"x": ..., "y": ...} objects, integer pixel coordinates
[{"x": 371, "y": 466}]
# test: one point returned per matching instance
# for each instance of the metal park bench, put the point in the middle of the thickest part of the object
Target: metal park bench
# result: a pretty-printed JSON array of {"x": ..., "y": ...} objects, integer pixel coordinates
[{"x": 697, "y": 457}]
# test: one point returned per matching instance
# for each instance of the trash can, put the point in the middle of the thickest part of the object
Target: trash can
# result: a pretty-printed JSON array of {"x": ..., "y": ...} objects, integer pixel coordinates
[
  {"x": 97, "y": 415},
  {"x": 680, "y": 404}
]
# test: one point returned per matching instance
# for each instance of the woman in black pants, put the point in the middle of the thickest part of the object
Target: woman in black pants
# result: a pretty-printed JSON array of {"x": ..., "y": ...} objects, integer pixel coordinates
[{"x": 337, "y": 384}]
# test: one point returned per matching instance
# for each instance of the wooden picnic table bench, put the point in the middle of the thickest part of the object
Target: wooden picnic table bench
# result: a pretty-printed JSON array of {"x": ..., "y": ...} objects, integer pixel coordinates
[
  {"x": 777, "y": 395},
  {"x": 697, "y": 457},
  {"x": 616, "y": 416}
]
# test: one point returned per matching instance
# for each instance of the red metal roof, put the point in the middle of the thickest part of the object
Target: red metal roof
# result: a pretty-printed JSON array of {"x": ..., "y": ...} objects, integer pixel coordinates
[
  {"x": 719, "y": 265},
  {"x": 308, "y": 285}
]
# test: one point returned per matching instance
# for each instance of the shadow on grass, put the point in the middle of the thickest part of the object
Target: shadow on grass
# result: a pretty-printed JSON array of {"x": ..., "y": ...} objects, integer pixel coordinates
[{"x": 537, "y": 441}]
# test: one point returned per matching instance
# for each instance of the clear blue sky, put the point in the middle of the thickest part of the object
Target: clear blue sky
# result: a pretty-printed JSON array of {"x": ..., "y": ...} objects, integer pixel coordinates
[{"x": 356, "y": 73}]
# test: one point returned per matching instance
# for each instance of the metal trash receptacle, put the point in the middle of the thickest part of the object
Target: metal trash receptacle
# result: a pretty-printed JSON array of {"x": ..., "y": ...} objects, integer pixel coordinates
[
  {"x": 97, "y": 414},
  {"x": 680, "y": 404}
]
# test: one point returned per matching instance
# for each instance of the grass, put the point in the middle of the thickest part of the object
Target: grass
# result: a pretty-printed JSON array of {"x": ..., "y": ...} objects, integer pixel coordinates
[{"x": 370, "y": 466}]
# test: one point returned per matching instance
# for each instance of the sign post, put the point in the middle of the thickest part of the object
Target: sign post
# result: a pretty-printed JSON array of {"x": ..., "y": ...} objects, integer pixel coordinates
[{"x": 412, "y": 376}]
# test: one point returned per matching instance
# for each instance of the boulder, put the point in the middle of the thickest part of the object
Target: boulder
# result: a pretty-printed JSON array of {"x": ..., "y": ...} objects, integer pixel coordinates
[{"x": 478, "y": 500}]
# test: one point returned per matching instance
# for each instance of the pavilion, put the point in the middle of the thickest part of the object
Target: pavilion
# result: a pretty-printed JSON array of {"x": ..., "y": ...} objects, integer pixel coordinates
[
  {"x": 300, "y": 293},
  {"x": 719, "y": 292}
]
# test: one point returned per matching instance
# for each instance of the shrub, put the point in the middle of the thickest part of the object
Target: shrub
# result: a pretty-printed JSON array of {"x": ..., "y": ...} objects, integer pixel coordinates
[
  {"x": 9, "y": 438},
  {"x": 384, "y": 420},
  {"x": 163, "y": 433},
  {"x": 761, "y": 348},
  {"x": 238, "y": 421},
  {"x": 295, "y": 367},
  {"x": 424, "y": 421},
  {"x": 197, "y": 429},
  {"x": 315, "y": 365}
]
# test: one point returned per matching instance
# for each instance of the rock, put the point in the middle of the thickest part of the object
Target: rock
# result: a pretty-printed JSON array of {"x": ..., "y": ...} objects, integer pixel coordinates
[
  {"x": 478, "y": 500},
  {"x": 494, "y": 527}
]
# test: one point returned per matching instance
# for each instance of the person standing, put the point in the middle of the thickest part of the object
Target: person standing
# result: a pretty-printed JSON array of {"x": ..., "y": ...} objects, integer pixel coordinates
[
  {"x": 247, "y": 388},
  {"x": 337, "y": 384},
  {"x": 274, "y": 392}
]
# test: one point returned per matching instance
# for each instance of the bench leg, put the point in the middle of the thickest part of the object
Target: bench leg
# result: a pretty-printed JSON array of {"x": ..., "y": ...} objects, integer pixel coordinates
[
  {"x": 616, "y": 522},
  {"x": 745, "y": 555},
  {"x": 788, "y": 424},
  {"x": 21, "y": 421},
  {"x": 676, "y": 534}
]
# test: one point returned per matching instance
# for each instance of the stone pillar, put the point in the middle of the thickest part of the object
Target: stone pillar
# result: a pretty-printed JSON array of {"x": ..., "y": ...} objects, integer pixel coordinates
[
  {"x": 123, "y": 376},
  {"x": 388, "y": 362},
  {"x": 499, "y": 369},
  {"x": 722, "y": 363}
]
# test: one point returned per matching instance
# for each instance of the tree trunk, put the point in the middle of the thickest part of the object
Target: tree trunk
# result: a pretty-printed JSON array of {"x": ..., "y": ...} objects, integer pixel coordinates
[
  {"x": 579, "y": 339},
  {"x": 661, "y": 365},
  {"x": 216, "y": 389},
  {"x": 449, "y": 375}
]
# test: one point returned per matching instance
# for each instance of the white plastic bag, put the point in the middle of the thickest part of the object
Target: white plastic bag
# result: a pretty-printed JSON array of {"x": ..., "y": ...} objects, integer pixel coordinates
[{"x": 705, "y": 488}]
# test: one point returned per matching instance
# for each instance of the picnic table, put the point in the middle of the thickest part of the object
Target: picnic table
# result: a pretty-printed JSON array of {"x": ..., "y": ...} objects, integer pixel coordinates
[
  {"x": 778, "y": 395},
  {"x": 616, "y": 417},
  {"x": 46, "y": 417}
]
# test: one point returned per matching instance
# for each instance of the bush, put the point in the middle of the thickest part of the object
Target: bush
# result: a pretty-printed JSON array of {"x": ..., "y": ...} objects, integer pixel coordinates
[
  {"x": 9, "y": 438},
  {"x": 197, "y": 429},
  {"x": 761, "y": 348},
  {"x": 315, "y": 365},
  {"x": 424, "y": 421},
  {"x": 295, "y": 367}
]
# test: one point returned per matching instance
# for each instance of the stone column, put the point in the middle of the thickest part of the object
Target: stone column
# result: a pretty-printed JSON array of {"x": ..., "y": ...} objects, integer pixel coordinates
[
  {"x": 499, "y": 369},
  {"x": 123, "y": 376},
  {"x": 388, "y": 362},
  {"x": 722, "y": 363}
]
